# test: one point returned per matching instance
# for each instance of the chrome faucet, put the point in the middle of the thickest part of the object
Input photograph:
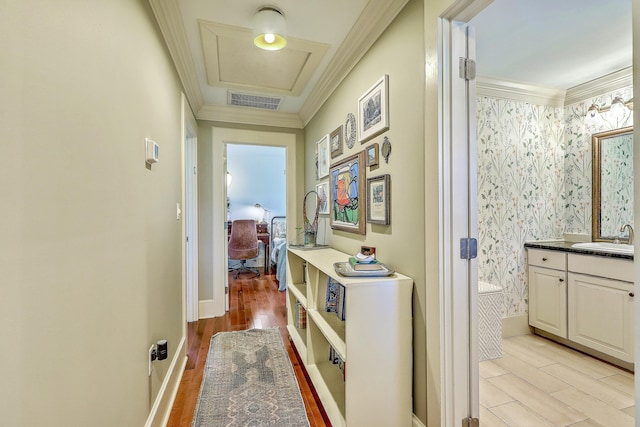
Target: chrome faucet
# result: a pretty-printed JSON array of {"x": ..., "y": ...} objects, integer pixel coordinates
[{"x": 623, "y": 228}]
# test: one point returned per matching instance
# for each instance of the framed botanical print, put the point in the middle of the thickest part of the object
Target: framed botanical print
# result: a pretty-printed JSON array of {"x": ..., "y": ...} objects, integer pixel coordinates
[
  {"x": 323, "y": 157},
  {"x": 335, "y": 142},
  {"x": 323, "y": 197},
  {"x": 347, "y": 189},
  {"x": 373, "y": 110},
  {"x": 378, "y": 200}
]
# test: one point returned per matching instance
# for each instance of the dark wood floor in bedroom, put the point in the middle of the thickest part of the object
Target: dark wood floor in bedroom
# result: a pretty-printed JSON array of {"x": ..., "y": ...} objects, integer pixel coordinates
[{"x": 253, "y": 303}]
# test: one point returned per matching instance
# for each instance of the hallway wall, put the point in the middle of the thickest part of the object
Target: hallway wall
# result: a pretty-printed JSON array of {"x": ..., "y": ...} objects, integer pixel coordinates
[{"x": 90, "y": 254}]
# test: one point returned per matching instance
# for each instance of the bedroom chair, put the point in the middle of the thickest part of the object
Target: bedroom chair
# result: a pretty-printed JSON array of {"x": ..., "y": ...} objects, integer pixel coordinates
[{"x": 243, "y": 245}]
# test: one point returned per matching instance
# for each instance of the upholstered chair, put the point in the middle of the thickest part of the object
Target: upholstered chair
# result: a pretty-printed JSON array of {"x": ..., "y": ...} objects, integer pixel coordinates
[{"x": 243, "y": 244}]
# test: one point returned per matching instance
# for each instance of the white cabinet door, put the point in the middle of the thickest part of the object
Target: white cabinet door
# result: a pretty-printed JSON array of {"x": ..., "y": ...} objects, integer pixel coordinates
[
  {"x": 601, "y": 314},
  {"x": 548, "y": 300}
]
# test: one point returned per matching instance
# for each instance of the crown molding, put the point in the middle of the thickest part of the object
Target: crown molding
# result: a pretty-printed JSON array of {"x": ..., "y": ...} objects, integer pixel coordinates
[
  {"x": 167, "y": 13},
  {"x": 597, "y": 87},
  {"x": 373, "y": 21},
  {"x": 249, "y": 116},
  {"x": 487, "y": 86}
]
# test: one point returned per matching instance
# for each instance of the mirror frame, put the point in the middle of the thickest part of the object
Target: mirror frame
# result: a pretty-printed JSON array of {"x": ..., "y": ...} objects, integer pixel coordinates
[{"x": 596, "y": 184}]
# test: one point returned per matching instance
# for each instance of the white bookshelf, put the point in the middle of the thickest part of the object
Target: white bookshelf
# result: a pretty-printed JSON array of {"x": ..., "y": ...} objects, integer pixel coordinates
[{"x": 374, "y": 340}]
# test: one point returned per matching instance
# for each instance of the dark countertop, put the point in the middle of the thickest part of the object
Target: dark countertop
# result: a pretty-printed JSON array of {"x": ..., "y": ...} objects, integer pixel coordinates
[{"x": 564, "y": 246}]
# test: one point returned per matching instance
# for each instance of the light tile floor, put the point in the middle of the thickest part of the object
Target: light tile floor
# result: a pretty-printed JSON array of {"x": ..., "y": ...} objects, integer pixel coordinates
[{"x": 538, "y": 382}]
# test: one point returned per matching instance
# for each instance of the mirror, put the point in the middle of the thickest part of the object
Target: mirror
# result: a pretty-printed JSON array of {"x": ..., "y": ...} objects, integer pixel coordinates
[{"x": 612, "y": 182}]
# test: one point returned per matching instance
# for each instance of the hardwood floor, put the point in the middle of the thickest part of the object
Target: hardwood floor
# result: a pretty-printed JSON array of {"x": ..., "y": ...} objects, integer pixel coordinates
[
  {"x": 253, "y": 303},
  {"x": 540, "y": 383}
]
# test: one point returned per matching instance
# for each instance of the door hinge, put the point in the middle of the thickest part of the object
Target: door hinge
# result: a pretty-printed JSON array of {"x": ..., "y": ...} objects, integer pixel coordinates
[
  {"x": 195, "y": 171},
  {"x": 187, "y": 239},
  {"x": 468, "y": 248},
  {"x": 226, "y": 290},
  {"x": 471, "y": 422},
  {"x": 467, "y": 68}
]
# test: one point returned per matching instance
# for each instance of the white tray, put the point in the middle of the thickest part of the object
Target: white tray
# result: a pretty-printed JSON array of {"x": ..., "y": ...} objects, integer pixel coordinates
[{"x": 345, "y": 269}]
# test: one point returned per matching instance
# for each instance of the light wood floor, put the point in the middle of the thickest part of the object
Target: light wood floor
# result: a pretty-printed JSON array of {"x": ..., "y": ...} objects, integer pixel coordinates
[{"x": 540, "y": 383}]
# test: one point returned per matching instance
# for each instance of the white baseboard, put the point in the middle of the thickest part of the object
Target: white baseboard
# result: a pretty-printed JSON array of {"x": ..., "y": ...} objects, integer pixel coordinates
[
  {"x": 206, "y": 309},
  {"x": 416, "y": 422},
  {"x": 159, "y": 414},
  {"x": 515, "y": 325}
]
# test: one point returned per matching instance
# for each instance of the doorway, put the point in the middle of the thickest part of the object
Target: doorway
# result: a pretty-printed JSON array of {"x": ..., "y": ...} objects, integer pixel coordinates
[
  {"x": 468, "y": 298},
  {"x": 213, "y": 208}
]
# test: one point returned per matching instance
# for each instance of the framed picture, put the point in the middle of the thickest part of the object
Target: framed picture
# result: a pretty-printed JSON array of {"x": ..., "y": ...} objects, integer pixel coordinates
[
  {"x": 378, "y": 200},
  {"x": 322, "y": 149},
  {"x": 323, "y": 197},
  {"x": 335, "y": 142},
  {"x": 373, "y": 110},
  {"x": 372, "y": 155},
  {"x": 347, "y": 190}
]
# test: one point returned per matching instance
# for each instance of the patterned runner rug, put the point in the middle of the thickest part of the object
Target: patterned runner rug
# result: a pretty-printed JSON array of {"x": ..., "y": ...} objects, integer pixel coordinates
[{"x": 249, "y": 381}]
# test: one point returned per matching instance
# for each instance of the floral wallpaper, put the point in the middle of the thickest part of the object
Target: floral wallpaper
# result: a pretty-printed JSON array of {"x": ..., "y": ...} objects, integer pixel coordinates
[{"x": 534, "y": 182}]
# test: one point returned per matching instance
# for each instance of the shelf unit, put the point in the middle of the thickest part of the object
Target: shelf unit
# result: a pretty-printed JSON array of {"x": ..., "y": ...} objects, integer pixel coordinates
[{"x": 374, "y": 340}]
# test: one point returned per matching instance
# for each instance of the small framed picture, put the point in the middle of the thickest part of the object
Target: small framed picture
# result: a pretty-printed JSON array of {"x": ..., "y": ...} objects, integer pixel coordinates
[
  {"x": 378, "y": 200},
  {"x": 373, "y": 110},
  {"x": 372, "y": 155},
  {"x": 335, "y": 142},
  {"x": 323, "y": 197},
  {"x": 323, "y": 157}
]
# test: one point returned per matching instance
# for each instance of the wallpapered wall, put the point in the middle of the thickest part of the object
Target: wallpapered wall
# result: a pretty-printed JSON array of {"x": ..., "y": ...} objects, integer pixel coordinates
[{"x": 534, "y": 182}]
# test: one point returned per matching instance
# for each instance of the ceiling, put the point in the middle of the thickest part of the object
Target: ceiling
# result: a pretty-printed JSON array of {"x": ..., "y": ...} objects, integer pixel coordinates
[
  {"x": 211, "y": 44},
  {"x": 547, "y": 43},
  {"x": 555, "y": 44}
]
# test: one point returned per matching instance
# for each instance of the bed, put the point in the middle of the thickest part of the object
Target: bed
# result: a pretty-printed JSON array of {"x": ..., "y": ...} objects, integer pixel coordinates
[{"x": 278, "y": 249}]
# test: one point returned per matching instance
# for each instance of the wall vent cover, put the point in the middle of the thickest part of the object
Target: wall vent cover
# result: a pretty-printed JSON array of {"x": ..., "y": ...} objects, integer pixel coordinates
[{"x": 271, "y": 103}]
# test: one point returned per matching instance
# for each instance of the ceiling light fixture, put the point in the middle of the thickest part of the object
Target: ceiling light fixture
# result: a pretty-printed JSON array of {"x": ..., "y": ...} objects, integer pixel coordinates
[
  {"x": 617, "y": 109},
  {"x": 269, "y": 29}
]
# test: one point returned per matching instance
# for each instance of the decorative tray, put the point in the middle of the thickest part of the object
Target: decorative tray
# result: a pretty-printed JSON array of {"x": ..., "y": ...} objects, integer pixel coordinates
[{"x": 345, "y": 269}]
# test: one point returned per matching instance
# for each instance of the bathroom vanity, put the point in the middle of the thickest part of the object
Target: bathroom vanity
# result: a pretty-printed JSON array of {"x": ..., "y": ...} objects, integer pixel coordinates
[{"x": 583, "y": 298}]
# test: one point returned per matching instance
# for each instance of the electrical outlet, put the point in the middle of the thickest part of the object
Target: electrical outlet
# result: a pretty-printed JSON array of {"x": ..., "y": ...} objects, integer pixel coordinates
[{"x": 150, "y": 358}]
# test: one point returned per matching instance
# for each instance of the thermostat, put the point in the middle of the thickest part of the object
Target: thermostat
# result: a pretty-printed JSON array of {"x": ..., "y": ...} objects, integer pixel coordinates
[{"x": 151, "y": 151}]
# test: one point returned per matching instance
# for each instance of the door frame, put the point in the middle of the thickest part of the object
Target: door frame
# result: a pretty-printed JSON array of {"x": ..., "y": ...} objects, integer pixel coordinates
[
  {"x": 220, "y": 137},
  {"x": 191, "y": 218},
  {"x": 458, "y": 216}
]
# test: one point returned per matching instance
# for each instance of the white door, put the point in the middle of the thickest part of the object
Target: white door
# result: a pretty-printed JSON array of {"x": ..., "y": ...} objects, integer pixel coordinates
[
  {"x": 458, "y": 223},
  {"x": 191, "y": 218}
]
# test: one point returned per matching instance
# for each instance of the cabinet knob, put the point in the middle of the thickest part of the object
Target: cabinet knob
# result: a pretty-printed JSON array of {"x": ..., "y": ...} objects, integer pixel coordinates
[
  {"x": 631, "y": 294},
  {"x": 561, "y": 280},
  {"x": 544, "y": 259}
]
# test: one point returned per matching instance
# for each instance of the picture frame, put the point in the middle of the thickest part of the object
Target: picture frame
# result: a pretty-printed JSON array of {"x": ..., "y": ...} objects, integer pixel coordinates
[
  {"x": 335, "y": 142},
  {"x": 322, "y": 148},
  {"x": 372, "y": 155},
  {"x": 379, "y": 200},
  {"x": 347, "y": 186},
  {"x": 373, "y": 110},
  {"x": 323, "y": 197}
]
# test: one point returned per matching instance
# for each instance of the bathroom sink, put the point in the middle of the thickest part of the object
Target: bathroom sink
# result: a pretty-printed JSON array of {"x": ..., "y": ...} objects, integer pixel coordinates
[{"x": 619, "y": 248}]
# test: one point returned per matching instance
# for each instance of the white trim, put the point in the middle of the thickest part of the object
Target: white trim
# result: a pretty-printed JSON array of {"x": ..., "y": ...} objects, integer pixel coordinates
[
  {"x": 373, "y": 21},
  {"x": 415, "y": 422},
  {"x": 168, "y": 15},
  {"x": 503, "y": 89},
  {"x": 515, "y": 325},
  {"x": 597, "y": 87},
  {"x": 161, "y": 409},
  {"x": 206, "y": 309},
  {"x": 249, "y": 116}
]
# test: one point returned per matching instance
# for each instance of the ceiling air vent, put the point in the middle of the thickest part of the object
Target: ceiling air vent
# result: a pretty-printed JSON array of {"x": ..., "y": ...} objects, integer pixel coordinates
[{"x": 271, "y": 103}]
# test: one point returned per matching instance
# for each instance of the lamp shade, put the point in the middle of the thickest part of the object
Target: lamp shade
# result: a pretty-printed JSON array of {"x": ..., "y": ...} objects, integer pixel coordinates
[{"x": 269, "y": 29}]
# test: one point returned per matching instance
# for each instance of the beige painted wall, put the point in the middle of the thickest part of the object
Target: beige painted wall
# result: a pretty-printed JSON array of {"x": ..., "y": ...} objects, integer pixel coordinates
[
  {"x": 90, "y": 248},
  {"x": 399, "y": 53}
]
